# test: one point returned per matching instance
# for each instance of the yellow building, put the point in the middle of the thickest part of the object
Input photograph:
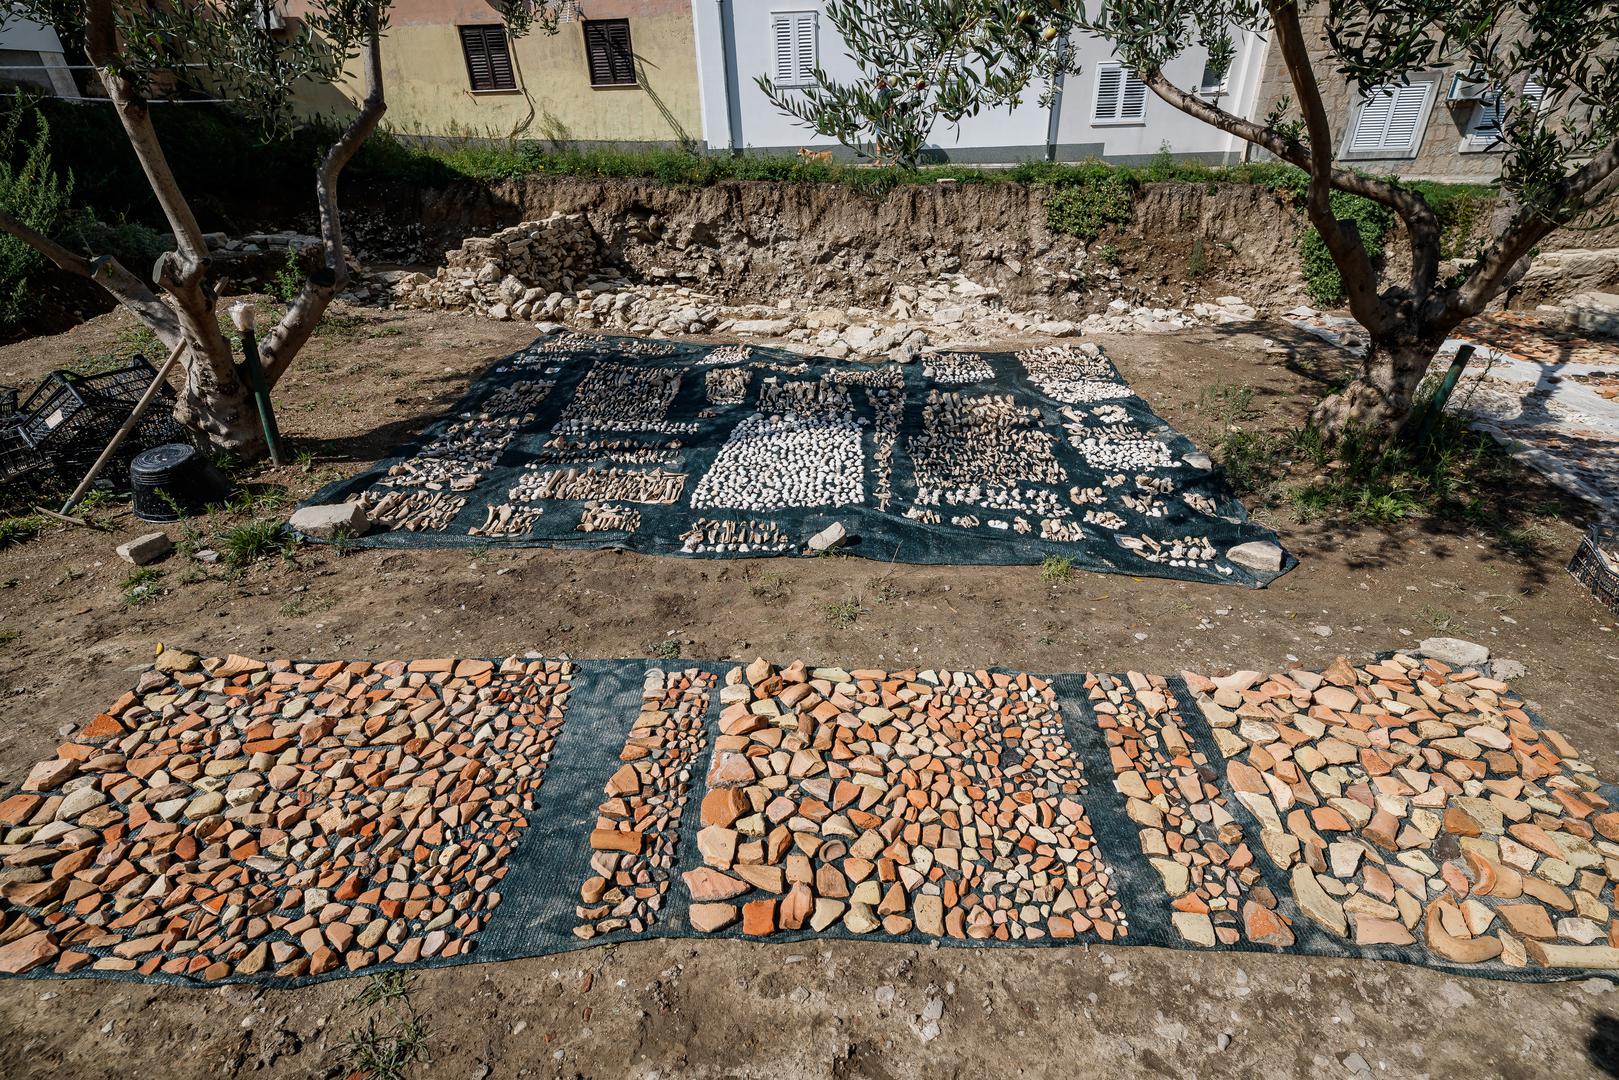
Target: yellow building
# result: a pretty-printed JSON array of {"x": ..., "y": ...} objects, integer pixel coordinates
[{"x": 617, "y": 71}]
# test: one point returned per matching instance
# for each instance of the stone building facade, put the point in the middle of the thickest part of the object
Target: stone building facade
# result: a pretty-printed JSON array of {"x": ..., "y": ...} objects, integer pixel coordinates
[{"x": 1412, "y": 130}]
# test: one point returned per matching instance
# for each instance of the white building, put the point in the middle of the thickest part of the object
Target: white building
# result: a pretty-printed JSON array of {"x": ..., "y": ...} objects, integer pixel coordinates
[
  {"x": 1104, "y": 112},
  {"x": 31, "y": 58}
]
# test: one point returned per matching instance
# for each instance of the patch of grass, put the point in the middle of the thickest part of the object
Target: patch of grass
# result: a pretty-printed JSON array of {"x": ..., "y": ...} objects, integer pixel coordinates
[
  {"x": 885, "y": 591},
  {"x": 1442, "y": 621},
  {"x": 770, "y": 585},
  {"x": 128, "y": 341},
  {"x": 1527, "y": 541},
  {"x": 1110, "y": 254},
  {"x": 341, "y": 326},
  {"x": 1086, "y": 201},
  {"x": 260, "y": 499},
  {"x": 21, "y": 529},
  {"x": 1226, "y": 402},
  {"x": 251, "y": 541},
  {"x": 385, "y": 987},
  {"x": 384, "y": 1053},
  {"x": 667, "y": 649},
  {"x": 9, "y": 636},
  {"x": 846, "y": 612},
  {"x": 393, "y": 1039},
  {"x": 288, "y": 282},
  {"x": 303, "y": 604},
  {"x": 141, "y": 586},
  {"x": 1056, "y": 569},
  {"x": 1252, "y": 461}
]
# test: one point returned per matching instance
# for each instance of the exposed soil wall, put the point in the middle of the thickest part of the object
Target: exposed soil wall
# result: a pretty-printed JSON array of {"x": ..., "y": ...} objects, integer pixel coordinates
[{"x": 759, "y": 241}]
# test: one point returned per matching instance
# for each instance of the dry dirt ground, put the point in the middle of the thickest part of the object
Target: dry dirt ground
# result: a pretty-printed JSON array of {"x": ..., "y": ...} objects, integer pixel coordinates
[{"x": 845, "y": 1010}]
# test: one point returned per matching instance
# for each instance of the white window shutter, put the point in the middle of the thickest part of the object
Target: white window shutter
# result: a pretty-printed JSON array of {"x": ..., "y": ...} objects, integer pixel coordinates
[
  {"x": 1485, "y": 126},
  {"x": 1373, "y": 120},
  {"x": 1109, "y": 84},
  {"x": 1409, "y": 107},
  {"x": 786, "y": 71},
  {"x": 1534, "y": 94},
  {"x": 804, "y": 42},
  {"x": 1134, "y": 99}
]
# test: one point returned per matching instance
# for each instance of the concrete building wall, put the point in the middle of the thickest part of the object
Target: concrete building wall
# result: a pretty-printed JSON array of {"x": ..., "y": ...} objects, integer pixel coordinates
[
  {"x": 735, "y": 46},
  {"x": 429, "y": 91},
  {"x": 31, "y": 57},
  {"x": 1443, "y": 151}
]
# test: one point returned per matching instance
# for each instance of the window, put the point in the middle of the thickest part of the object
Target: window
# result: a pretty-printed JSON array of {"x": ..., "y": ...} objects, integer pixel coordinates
[
  {"x": 1484, "y": 129},
  {"x": 1121, "y": 96},
  {"x": 1212, "y": 82},
  {"x": 489, "y": 58},
  {"x": 793, "y": 34},
  {"x": 1391, "y": 120},
  {"x": 607, "y": 51}
]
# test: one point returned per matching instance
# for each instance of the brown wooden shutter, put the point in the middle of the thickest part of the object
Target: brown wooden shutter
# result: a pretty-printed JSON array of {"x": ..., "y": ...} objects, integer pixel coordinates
[
  {"x": 608, "y": 52},
  {"x": 489, "y": 58}
]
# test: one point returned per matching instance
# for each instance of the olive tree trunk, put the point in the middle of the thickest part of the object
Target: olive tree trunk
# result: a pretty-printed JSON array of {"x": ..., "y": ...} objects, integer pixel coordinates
[
  {"x": 180, "y": 306},
  {"x": 1379, "y": 400}
]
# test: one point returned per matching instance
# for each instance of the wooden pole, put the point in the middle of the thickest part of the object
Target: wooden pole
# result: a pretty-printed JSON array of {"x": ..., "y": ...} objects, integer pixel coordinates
[{"x": 129, "y": 425}]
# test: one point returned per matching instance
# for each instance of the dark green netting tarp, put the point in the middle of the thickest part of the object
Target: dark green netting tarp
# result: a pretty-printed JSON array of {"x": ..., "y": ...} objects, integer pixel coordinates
[{"x": 725, "y": 451}]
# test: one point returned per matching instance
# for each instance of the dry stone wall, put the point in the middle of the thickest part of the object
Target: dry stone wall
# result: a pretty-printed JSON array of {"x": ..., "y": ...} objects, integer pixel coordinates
[{"x": 510, "y": 274}]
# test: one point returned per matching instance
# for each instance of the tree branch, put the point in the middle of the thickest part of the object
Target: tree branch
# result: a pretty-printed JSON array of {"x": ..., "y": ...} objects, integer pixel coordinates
[
  {"x": 134, "y": 113},
  {"x": 1342, "y": 239},
  {"x": 289, "y": 335},
  {"x": 1500, "y": 265},
  {"x": 107, "y": 272}
]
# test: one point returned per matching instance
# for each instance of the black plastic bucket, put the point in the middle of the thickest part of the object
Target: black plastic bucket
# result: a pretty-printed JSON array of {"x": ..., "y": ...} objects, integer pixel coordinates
[{"x": 173, "y": 481}]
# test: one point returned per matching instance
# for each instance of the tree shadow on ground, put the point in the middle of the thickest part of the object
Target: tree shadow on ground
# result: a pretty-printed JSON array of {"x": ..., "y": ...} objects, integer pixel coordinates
[
  {"x": 439, "y": 394},
  {"x": 1602, "y": 1045},
  {"x": 1499, "y": 504}
]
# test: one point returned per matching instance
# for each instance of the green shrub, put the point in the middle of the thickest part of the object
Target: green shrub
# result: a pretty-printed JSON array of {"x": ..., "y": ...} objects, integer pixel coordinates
[
  {"x": 1089, "y": 198},
  {"x": 33, "y": 193},
  {"x": 132, "y": 243},
  {"x": 1322, "y": 279},
  {"x": 288, "y": 281}
]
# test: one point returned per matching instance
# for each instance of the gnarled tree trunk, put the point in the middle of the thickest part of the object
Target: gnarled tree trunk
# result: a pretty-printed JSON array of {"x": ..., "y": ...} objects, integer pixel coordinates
[{"x": 1379, "y": 400}]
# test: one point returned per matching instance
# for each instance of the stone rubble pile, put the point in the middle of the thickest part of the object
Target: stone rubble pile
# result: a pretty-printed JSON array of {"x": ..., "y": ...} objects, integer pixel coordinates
[
  {"x": 553, "y": 272},
  {"x": 511, "y": 274}
]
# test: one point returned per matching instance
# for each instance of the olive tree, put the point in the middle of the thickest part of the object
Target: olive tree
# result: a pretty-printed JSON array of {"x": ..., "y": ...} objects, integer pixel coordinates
[
  {"x": 922, "y": 62},
  {"x": 144, "y": 51}
]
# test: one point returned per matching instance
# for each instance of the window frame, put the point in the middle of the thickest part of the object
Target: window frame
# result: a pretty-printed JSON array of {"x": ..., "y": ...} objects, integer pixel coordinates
[
  {"x": 1428, "y": 81},
  {"x": 487, "y": 32},
  {"x": 1119, "y": 119},
  {"x": 1207, "y": 89},
  {"x": 629, "y": 51},
  {"x": 793, "y": 17}
]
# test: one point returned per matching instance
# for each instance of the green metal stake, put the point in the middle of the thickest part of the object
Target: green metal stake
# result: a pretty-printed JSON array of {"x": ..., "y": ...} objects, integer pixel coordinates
[
  {"x": 1453, "y": 375},
  {"x": 243, "y": 316}
]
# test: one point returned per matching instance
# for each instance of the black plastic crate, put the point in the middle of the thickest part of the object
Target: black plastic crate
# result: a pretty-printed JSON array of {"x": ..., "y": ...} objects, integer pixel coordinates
[
  {"x": 8, "y": 405},
  {"x": 69, "y": 419},
  {"x": 1593, "y": 571},
  {"x": 24, "y": 471}
]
